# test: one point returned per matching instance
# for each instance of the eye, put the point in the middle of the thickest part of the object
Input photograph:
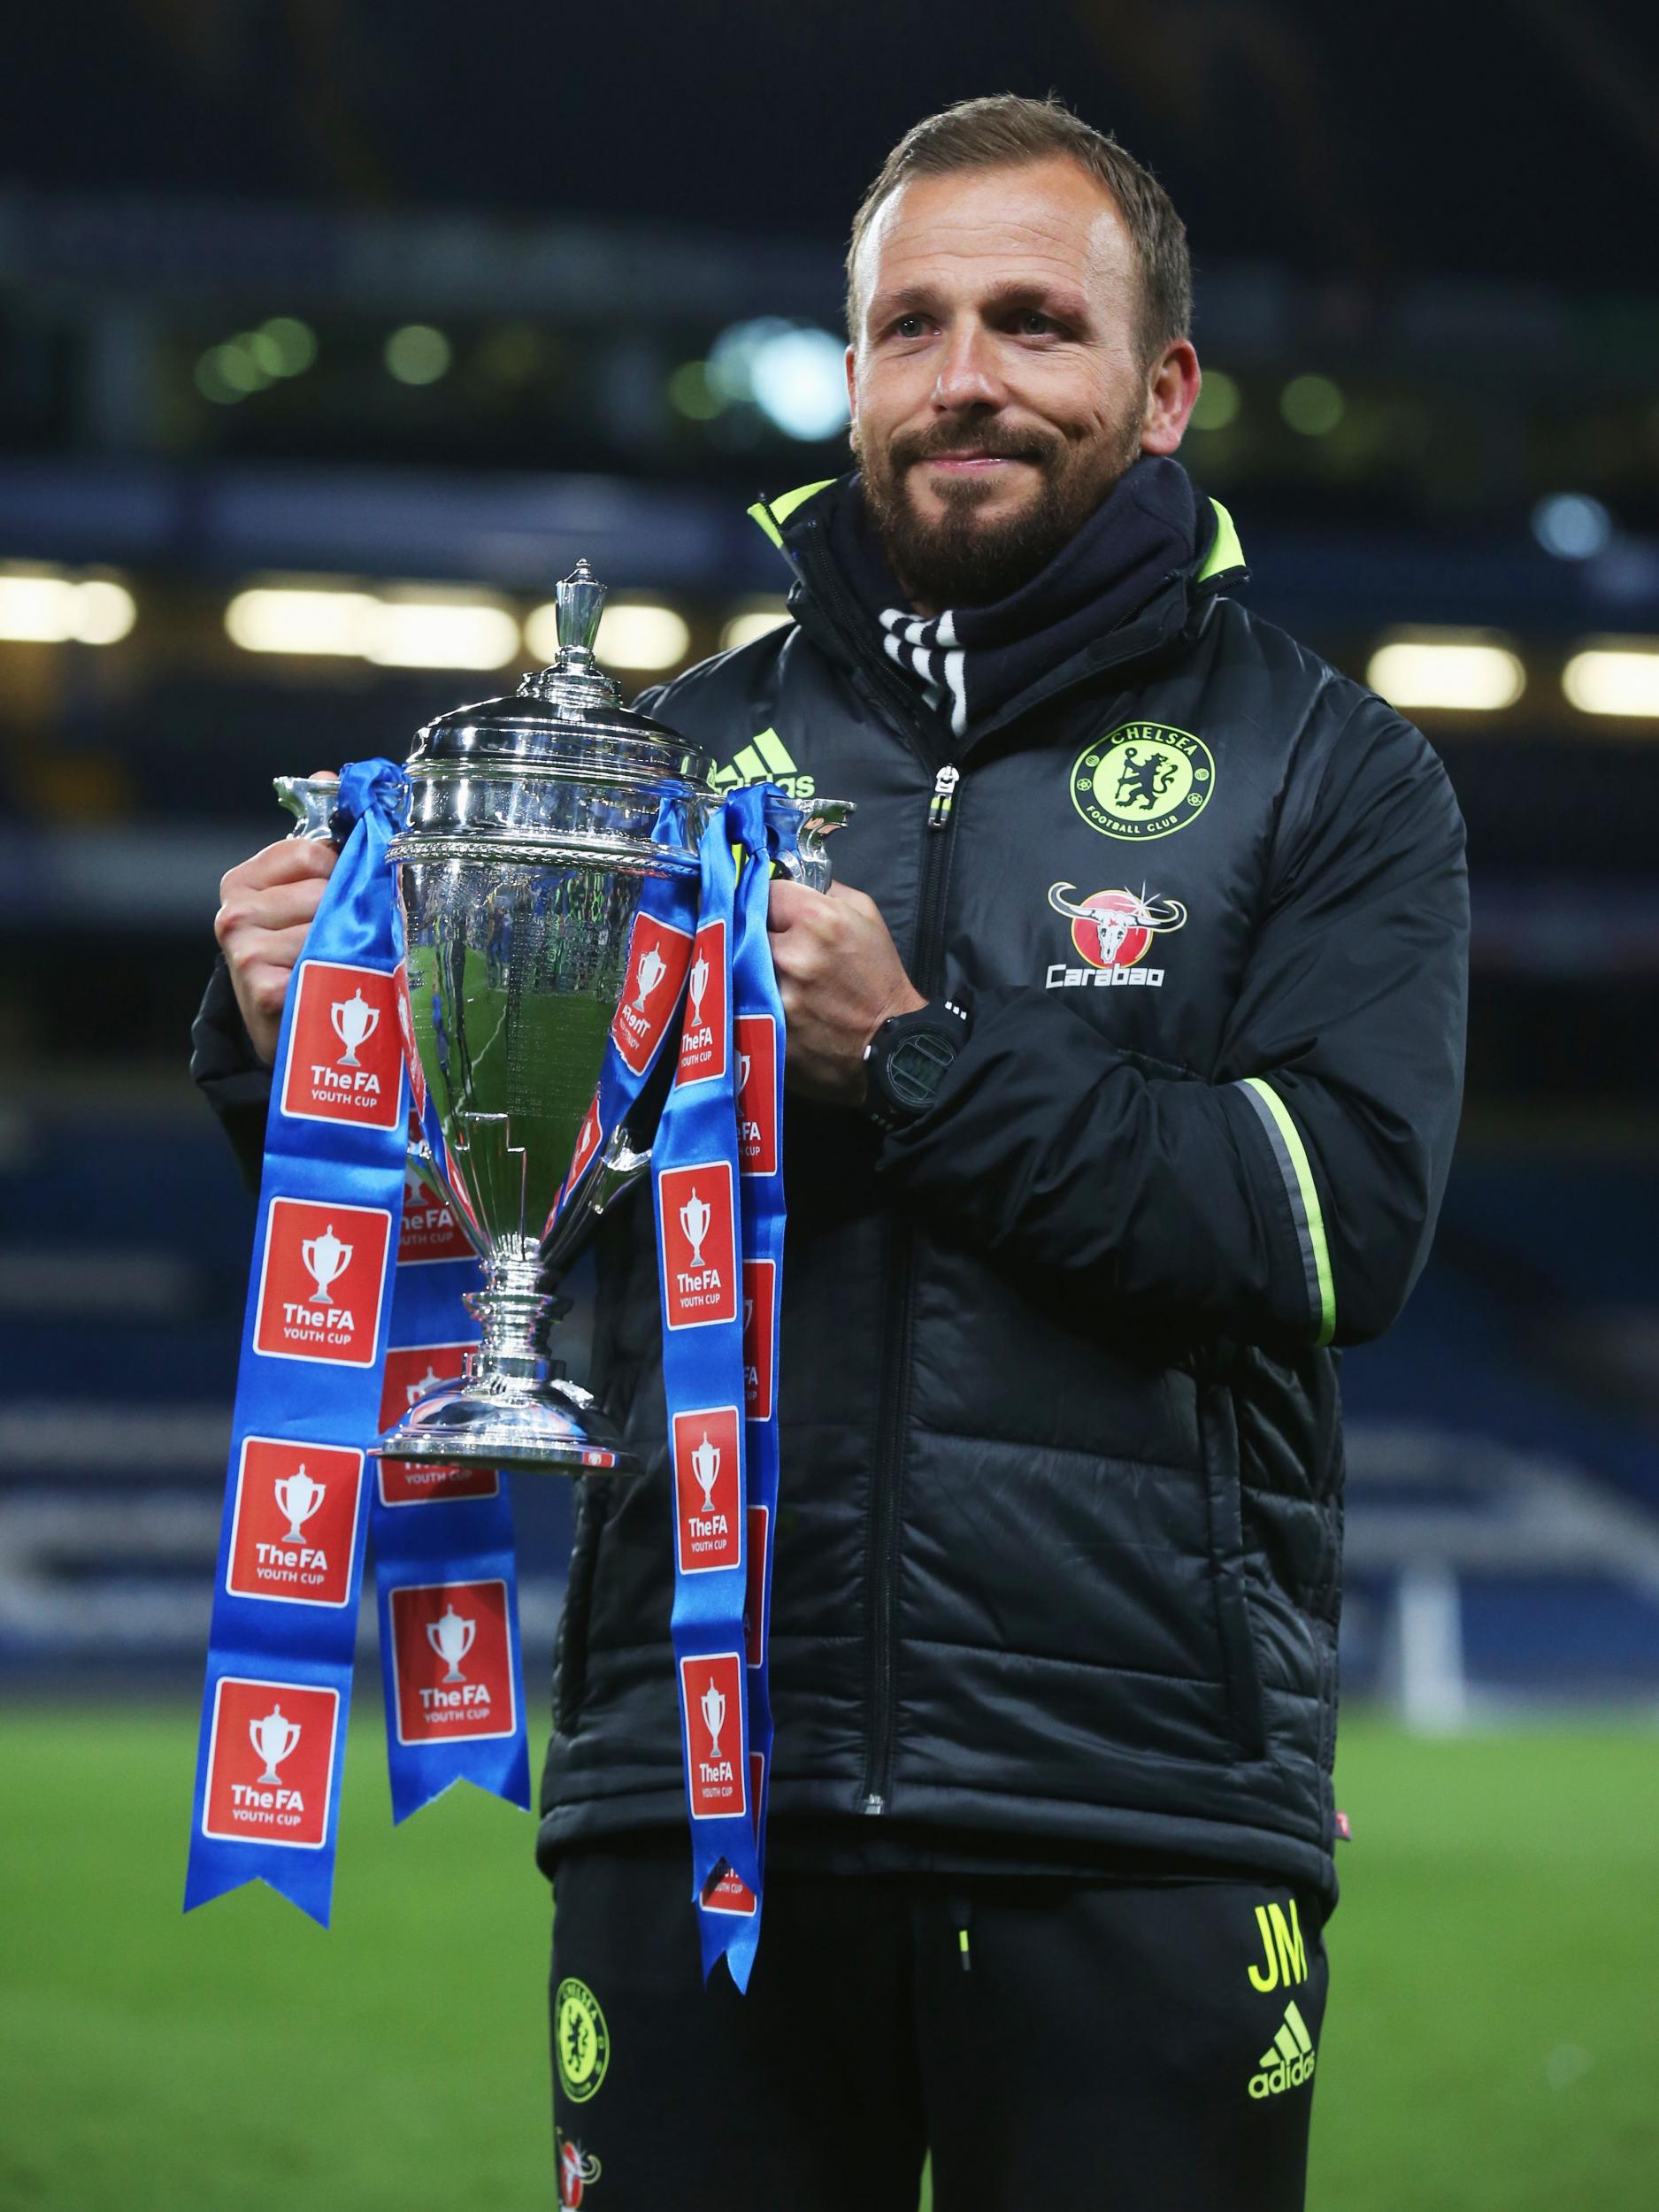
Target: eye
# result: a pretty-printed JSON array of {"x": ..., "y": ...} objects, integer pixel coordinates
[
  {"x": 909, "y": 326},
  {"x": 1031, "y": 322}
]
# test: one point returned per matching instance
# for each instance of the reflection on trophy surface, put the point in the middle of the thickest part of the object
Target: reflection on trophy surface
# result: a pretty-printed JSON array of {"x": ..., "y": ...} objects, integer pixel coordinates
[
  {"x": 299, "y": 1497},
  {"x": 536, "y": 822},
  {"x": 713, "y": 1709},
  {"x": 274, "y": 1738},
  {"x": 430, "y": 1380},
  {"x": 451, "y": 1638},
  {"x": 325, "y": 1259},
  {"x": 355, "y": 1022}
]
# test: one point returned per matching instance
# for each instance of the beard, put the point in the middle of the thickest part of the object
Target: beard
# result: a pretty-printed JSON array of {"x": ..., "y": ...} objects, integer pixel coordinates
[{"x": 963, "y": 560}]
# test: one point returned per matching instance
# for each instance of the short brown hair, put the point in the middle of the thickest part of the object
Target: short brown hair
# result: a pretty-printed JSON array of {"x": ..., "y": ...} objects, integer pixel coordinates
[{"x": 1006, "y": 131}]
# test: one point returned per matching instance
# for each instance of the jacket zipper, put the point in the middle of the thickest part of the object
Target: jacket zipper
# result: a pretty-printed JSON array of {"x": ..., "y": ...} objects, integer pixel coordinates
[
  {"x": 882, "y": 1576},
  {"x": 890, "y": 695}
]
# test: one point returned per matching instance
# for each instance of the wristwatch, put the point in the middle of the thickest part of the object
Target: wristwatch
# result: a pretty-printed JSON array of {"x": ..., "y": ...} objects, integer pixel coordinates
[{"x": 907, "y": 1060}]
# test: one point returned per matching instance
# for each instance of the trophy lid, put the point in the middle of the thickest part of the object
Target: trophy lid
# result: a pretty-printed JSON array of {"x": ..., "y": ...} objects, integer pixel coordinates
[{"x": 565, "y": 719}]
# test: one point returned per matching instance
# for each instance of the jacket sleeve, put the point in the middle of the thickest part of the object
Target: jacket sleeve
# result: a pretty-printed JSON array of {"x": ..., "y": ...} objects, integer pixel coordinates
[
  {"x": 1291, "y": 1198},
  {"x": 234, "y": 1078}
]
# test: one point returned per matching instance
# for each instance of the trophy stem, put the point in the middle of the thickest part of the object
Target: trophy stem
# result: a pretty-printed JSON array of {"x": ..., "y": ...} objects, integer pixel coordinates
[
  {"x": 514, "y": 1316},
  {"x": 514, "y": 1408}
]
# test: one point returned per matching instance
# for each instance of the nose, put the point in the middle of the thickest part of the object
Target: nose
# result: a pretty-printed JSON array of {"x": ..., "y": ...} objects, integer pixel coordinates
[{"x": 968, "y": 375}]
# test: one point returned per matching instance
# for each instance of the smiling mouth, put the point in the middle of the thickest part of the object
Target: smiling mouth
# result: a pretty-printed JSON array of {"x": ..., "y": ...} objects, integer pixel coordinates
[{"x": 975, "y": 460}]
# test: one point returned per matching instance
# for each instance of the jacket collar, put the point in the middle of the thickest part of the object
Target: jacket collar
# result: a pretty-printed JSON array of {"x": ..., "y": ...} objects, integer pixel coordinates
[{"x": 825, "y": 608}]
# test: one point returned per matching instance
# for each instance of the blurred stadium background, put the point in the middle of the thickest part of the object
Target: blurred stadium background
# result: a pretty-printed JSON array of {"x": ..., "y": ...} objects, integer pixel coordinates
[{"x": 325, "y": 347}]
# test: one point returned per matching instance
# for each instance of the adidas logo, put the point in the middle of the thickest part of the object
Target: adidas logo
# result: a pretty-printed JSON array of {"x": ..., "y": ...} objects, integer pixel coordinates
[
  {"x": 765, "y": 758},
  {"x": 1288, "y": 2060}
]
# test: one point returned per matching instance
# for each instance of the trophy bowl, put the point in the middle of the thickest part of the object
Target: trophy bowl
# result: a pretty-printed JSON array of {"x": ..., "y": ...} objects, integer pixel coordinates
[{"x": 535, "y": 823}]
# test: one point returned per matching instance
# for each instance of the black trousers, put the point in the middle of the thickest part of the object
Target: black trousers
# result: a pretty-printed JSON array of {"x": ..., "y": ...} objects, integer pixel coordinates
[{"x": 1137, "y": 2048}]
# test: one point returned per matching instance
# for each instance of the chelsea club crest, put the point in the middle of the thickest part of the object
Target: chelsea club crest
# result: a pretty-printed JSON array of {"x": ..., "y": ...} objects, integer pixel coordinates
[{"x": 1142, "y": 779}]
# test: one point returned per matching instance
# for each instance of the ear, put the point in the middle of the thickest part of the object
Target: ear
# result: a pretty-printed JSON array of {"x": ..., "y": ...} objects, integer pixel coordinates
[
  {"x": 1173, "y": 387},
  {"x": 852, "y": 392}
]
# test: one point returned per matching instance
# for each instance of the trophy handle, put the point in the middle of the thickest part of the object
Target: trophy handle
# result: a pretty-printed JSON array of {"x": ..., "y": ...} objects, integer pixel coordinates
[
  {"x": 311, "y": 801},
  {"x": 803, "y": 858}
]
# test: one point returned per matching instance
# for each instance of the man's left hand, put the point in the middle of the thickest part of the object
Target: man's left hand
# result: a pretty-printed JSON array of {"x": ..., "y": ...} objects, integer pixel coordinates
[{"x": 839, "y": 977}]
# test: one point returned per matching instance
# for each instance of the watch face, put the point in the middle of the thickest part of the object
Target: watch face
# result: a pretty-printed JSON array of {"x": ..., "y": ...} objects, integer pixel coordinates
[{"x": 917, "y": 1065}]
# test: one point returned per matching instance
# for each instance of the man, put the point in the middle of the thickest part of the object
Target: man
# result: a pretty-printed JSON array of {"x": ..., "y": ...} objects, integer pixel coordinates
[{"x": 1123, "y": 1089}]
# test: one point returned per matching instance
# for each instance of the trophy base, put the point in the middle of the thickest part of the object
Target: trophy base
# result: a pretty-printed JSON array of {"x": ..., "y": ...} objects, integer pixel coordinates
[{"x": 553, "y": 1429}]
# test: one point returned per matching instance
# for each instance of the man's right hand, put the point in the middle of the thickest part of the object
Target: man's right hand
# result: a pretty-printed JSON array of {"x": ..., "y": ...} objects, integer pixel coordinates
[{"x": 265, "y": 907}]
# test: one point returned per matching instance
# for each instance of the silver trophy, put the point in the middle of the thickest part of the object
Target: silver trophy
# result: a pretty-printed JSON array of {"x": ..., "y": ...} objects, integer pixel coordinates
[{"x": 535, "y": 823}]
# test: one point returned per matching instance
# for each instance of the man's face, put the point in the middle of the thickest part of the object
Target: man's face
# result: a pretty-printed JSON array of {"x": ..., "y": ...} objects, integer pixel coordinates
[{"x": 998, "y": 384}]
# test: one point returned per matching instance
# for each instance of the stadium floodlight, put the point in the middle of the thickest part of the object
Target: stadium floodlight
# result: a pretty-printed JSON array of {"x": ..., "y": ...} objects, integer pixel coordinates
[
  {"x": 1313, "y": 405},
  {"x": 753, "y": 622},
  {"x": 416, "y": 353},
  {"x": 439, "y": 634},
  {"x": 41, "y": 609},
  {"x": 793, "y": 373},
  {"x": 1219, "y": 399},
  {"x": 316, "y": 619},
  {"x": 1615, "y": 676},
  {"x": 1572, "y": 525},
  {"x": 639, "y": 634},
  {"x": 1459, "y": 673}
]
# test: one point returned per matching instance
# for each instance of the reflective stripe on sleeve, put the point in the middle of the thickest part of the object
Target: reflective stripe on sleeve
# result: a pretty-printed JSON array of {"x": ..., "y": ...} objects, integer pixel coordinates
[{"x": 1292, "y": 1156}]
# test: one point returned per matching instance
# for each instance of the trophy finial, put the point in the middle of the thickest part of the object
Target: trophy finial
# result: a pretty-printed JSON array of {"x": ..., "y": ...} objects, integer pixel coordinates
[
  {"x": 580, "y": 601},
  {"x": 575, "y": 680}
]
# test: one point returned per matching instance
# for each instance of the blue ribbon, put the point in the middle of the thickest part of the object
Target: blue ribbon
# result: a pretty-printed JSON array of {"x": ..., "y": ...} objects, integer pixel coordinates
[
  {"x": 343, "y": 1218},
  {"x": 718, "y": 1144},
  {"x": 320, "y": 1315},
  {"x": 718, "y": 1186}
]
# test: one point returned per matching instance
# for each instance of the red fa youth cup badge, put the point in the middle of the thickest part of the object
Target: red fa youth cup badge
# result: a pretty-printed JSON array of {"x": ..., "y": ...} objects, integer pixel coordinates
[
  {"x": 708, "y": 1528},
  {"x": 345, "y": 1048},
  {"x": 1112, "y": 932},
  {"x": 430, "y": 1230},
  {"x": 293, "y": 1524},
  {"x": 729, "y": 1893},
  {"x": 322, "y": 1282},
  {"x": 757, "y": 1037},
  {"x": 270, "y": 1763},
  {"x": 711, "y": 1694},
  {"x": 452, "y": 1661},
  {"x": 697, "y": 1239},
  {"x": 703, "y": 1037},
  {"x": 658, "y": 956},
  {"x": 760, "y": 1297}
]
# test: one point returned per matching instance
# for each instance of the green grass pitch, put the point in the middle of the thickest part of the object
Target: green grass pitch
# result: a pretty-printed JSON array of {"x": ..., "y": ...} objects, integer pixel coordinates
[{"x": 1492, "y": 2044}]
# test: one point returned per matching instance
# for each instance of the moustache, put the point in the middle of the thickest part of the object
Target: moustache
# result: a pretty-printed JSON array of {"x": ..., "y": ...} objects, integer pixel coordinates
[{"x": 941, "y": 444}]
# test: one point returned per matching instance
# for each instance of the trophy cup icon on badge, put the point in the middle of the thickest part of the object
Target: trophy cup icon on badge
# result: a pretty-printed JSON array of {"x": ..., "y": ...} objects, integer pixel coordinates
[
  {"x": 325, "y": 1259},
  {"x": 451, "y": 1638},
  {"x": 712, "y": 1707},
  {"x": 648, "y": 975},
  {"x": 299, "y": 1497},
  {"x": 699, "y": 983},
  {"x": 274, "y": 1738},
  {"x": 705, "y": 1464},
  {"x": 695, "y": 1218},
  {"x": 355, "y": 1022}
]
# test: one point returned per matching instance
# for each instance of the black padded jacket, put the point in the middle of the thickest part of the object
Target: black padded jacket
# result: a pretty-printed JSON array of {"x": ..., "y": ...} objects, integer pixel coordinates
[{"x": 1058, "y": 1555}]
